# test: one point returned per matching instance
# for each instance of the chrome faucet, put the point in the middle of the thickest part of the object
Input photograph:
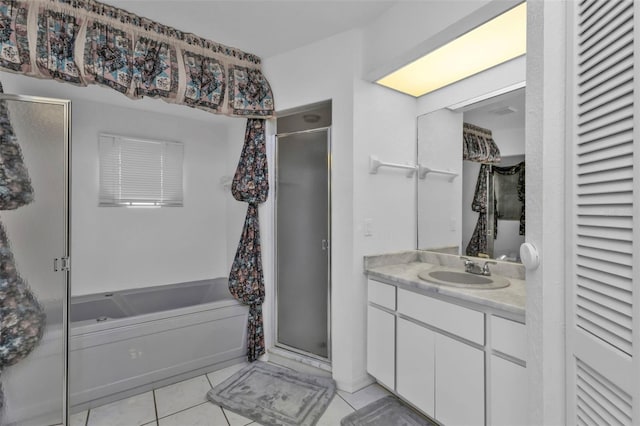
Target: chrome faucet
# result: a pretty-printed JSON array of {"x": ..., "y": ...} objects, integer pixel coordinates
[{"x": 473, "y": 268}]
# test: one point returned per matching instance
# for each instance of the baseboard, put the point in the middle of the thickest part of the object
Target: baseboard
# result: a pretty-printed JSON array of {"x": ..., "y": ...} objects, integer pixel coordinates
[{"x": 355, "y": 385}]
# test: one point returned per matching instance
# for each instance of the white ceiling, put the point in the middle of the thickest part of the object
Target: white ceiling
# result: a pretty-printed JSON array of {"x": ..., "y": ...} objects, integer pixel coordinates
[{"x": 262, "y": 27}]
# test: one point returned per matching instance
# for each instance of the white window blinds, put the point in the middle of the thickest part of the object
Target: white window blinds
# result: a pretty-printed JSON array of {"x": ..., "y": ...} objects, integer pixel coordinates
[{"x": 138, "y": 172}]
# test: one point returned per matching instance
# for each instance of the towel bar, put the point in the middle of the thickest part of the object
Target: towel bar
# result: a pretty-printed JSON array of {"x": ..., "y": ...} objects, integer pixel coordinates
[
  {"x": 375, "y": 164},
  {"x": 423, "y": 170}
]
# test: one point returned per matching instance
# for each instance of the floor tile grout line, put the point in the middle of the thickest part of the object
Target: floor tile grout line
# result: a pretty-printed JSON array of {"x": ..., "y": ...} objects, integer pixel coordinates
[
  {"x": 209, "y": 380},
  {"x": 361, "y": 390},
  {"x": 346, "y": 402},
  {"x": 86, "y": 421},
  {"x": 224, "y": 413},
  {"x": 185, "y": 409},
  {"x": 155, "y": 406}
]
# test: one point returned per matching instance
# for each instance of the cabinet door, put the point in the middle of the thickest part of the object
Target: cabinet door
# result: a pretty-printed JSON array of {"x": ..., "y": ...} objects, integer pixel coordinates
[
  {"x": 508, "y": 393},
  {"x": 459, "y": 383},
  {"x": 415, "y": 379},
  {"x": 381, "y": 346}
]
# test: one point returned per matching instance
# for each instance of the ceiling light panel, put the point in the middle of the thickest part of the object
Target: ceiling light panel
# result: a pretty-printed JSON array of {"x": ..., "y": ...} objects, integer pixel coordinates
[{"x": 499, "y": 40}]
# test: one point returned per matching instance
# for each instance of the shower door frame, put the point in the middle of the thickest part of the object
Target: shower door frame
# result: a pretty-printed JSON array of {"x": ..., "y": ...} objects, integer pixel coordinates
[
  {"x": 66, "y": 301},
  {"x": 277, "y": 343}
]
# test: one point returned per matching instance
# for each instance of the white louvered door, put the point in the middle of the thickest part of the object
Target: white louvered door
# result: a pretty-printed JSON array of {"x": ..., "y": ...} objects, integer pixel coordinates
[{"x": 603, "y": 373}]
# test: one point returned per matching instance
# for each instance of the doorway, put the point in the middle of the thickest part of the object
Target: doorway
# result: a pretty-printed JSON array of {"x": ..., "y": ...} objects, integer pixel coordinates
[{"x": 303, "y": 250}]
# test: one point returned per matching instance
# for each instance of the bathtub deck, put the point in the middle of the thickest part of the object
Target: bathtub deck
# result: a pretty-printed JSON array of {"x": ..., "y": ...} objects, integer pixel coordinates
[{"x": 184, "y": 404}]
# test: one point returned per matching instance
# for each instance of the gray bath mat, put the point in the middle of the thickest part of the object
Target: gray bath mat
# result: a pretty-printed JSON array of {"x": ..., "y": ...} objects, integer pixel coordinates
[
  {"x": 275, "y": 396},
  {"x": 385, "y": 412}
]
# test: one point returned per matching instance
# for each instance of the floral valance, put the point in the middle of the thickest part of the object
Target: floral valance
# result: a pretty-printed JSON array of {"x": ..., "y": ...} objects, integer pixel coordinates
[
  {"x": 478, "y": 145},
  {"x": 86, "y": 42}
]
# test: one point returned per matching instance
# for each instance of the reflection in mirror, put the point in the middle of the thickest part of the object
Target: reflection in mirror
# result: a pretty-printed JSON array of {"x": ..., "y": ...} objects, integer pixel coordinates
[{"x": 480, "y": 213}]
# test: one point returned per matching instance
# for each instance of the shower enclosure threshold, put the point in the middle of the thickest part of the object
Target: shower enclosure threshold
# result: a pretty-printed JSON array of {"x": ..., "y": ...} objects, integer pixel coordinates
[{"x": 299, "y": 361}]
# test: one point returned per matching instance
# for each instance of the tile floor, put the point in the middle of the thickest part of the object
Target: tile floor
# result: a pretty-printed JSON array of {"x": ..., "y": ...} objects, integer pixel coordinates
[{"x": 185, "y": 404}]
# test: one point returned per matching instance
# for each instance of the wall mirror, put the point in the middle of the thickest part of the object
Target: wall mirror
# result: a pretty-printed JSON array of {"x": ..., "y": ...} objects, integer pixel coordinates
[{"x": 471, "y": 179}]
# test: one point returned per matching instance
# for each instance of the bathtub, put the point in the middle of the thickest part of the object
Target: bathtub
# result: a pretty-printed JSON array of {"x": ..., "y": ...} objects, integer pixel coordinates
[{"x": 132, "y": 341}]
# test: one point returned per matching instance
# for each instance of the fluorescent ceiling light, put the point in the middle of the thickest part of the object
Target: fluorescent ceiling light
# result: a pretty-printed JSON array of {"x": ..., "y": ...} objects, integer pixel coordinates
[{"x": 494, "y": 42}]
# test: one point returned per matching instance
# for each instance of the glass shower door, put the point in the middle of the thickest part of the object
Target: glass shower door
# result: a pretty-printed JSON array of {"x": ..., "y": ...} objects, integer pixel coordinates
[
  {"x": 302, "y": 242},
  {"x": 34, "y": 341}
]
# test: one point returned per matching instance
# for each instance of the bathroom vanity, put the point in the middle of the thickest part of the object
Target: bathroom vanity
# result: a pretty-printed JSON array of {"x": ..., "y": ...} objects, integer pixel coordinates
[{"x": 456, "y": 353}]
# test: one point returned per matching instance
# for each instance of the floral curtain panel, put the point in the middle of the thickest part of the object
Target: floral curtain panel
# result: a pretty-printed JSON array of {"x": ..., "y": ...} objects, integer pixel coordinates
[
  {"x": 22, "y": 318},
  {"x": 86, "y": 42},
  {"x": 246, "y": 280},
  {"x": 478, "y": 243}
]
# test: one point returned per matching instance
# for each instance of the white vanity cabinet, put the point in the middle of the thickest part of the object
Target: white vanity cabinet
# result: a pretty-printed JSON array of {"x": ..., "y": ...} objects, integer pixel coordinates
[
  {"x": 459, "y": 383},
  {"x": 380, "y": 346},
  {"x": 381, "y": 332},
  {"x": 439, "y": 375},
  {"x": 458, "y": 365},
  {"x": 415, "y": 374},
  {"x": 508, "y": 384},
  {"x": 450, "y": 362}
]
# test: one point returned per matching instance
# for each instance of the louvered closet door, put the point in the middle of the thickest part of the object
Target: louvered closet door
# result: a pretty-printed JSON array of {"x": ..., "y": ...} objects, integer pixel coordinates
[{"x": 603, "y": 374}]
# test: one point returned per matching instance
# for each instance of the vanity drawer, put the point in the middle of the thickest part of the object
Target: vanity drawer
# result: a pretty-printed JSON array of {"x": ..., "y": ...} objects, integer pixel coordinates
[
  {"x": 463, "y": 322},
  {"x": 382, "y": 294},
  {"x": 509, "y": 337}
]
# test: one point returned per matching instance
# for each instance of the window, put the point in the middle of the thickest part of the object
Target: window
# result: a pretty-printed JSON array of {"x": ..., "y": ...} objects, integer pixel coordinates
[{"x": 139, "y": 172}]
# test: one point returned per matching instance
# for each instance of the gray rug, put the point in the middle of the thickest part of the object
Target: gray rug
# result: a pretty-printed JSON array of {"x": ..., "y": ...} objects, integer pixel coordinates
[
  {"x": 275, "y": 396},
  {"x": 386, "y": 412}
]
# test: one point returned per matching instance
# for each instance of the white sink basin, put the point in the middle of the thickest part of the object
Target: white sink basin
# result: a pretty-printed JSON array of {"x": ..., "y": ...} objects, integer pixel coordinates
[{"x": 463, "y": 279}]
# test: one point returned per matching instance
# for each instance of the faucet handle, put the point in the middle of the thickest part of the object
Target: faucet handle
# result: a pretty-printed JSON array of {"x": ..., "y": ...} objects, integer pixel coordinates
[{"x": 485, "y": 267}]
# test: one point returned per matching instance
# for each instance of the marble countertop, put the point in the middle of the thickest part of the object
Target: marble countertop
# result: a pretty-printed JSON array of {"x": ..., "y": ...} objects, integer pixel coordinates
[{"x": 402, "y": 269}]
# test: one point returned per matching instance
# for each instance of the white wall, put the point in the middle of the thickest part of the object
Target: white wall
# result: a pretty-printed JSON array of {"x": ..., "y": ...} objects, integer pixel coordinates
[
  {"x": 236, "y": 210},
  {"x": 120, "y": 248},
  {"x": 385, "y": 125},
  {"x": 545, "y": 151},
  {"x": 308, "y": 75},
  {"x": 367, "y": 119},
  {"x": 439, "y": 212}
]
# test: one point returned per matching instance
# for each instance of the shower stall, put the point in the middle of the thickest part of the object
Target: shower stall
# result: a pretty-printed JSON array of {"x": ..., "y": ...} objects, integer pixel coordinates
[
  {"x": 303, "y": 224},
  {"x": 34, "y": 278}
]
